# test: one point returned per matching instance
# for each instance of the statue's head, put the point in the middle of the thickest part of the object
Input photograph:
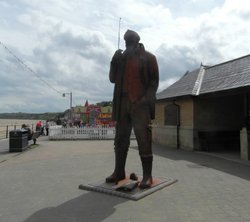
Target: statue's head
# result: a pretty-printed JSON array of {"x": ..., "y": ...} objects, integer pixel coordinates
[{"x": 131, "y": 38}]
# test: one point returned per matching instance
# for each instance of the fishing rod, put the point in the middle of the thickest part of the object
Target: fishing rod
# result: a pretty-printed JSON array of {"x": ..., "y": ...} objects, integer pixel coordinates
[{"x": 119, "y": 32}]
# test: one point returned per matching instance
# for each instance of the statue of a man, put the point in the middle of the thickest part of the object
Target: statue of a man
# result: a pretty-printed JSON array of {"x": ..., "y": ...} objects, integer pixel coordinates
[{"x": 136, "y": 77}]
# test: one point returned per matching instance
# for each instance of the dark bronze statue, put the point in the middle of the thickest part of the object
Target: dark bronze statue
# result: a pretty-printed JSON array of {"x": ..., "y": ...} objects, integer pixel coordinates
[{"x": 136, "y": 77}]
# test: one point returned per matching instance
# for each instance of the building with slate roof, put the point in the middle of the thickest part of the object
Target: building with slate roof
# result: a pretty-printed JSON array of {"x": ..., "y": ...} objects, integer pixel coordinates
[{"x": 207, "y": 109}]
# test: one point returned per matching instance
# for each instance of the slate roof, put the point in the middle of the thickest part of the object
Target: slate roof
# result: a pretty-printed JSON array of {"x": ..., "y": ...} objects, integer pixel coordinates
[
  {"x": 224, "y": 76},
  {"x": 229, "y": 75},
  {"x": 182, "y": 87}
]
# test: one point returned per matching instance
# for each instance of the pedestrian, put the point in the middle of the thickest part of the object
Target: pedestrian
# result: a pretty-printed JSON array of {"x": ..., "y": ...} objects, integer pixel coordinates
[
  {"x": 39, "y": 126},
  {"x": 47, "y": 128},
  {"x": 135, "y": 75}
]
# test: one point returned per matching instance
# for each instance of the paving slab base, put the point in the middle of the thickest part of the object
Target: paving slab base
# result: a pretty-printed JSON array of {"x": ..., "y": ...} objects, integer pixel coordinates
[{"x": 136, "y": 194}]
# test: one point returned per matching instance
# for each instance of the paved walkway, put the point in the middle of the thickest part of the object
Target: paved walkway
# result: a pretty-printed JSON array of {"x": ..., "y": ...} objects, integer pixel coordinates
[{"x": 41, "y": 185}]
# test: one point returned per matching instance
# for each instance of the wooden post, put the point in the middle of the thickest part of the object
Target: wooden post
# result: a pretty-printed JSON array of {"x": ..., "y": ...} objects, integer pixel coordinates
[{"x": 7, "y": 132}]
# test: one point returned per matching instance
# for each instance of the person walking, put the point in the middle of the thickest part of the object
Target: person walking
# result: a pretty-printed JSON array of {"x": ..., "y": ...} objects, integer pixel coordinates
[{"x": 47, "y": 128}]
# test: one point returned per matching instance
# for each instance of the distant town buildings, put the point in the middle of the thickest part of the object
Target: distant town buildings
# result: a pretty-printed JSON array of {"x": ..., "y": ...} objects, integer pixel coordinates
[{"x": 90, "y": 114}]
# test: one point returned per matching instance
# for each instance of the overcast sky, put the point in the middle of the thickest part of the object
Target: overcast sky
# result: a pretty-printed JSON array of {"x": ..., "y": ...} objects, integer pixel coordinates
[{"x": 67, "y": 45}]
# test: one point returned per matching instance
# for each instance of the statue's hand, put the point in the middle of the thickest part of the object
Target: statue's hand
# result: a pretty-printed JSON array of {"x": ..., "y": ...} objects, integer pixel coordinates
[
  {"x": 117, "y": 55},
  {"x": 141, "y": 102}
]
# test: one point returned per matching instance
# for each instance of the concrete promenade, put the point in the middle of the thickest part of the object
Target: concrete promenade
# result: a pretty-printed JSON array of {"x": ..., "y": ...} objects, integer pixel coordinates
[{"x": 41, "y": 185}]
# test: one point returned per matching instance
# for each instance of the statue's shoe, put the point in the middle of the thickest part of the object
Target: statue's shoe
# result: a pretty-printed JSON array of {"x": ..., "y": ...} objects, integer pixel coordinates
[
  {"x": 114, "y": 179},
  {"x": 146, "y": 182}
]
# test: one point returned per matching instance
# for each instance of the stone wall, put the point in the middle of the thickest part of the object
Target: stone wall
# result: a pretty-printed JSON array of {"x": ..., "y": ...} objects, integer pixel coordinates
[
  {"x": 244, "y": 144},
  {"x": 167, "y": 136},
  {"x": 186, "y": 111}
]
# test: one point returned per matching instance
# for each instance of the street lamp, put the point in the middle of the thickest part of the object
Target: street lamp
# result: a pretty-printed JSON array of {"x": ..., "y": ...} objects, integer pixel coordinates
[{"x": 70, "y": 105}]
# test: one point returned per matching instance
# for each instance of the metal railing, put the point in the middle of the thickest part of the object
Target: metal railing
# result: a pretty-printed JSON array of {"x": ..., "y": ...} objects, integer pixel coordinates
[{"x": 5, "y": 129}]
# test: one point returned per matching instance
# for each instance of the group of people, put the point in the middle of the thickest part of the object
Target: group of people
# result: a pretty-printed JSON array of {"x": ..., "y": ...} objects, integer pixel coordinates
[{"x": 42, "y": 128}]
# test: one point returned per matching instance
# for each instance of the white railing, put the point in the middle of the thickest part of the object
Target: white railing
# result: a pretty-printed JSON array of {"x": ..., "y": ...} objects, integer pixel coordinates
[{"x": 92, "y": 133}]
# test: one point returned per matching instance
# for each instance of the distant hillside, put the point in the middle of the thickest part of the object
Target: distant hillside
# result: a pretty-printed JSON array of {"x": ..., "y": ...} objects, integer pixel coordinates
[{"x": 36, "y": 116}]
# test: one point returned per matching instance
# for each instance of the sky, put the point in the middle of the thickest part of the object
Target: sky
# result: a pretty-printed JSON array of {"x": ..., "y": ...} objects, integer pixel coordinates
[{"x": 52, "y": 47}]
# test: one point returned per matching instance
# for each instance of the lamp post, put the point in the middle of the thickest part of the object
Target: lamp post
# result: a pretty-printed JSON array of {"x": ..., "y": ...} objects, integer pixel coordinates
[{"x": 70, "y": 105}]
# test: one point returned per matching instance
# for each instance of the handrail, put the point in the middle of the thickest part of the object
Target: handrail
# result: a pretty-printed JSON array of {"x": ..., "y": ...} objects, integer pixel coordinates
[{"x": 5, "y": 129}]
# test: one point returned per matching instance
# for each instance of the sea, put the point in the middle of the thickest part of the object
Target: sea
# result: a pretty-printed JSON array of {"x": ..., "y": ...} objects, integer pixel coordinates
[{"x": 7, "y": 125}]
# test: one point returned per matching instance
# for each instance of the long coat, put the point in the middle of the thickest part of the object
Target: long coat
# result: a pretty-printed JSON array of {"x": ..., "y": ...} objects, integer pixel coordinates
[{"x": 149, "y": 77}]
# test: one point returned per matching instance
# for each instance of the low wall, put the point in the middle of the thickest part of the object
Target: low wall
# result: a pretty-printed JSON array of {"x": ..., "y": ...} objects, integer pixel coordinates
[
  {"x": 92, "y": 133},
  {"x": 95, "y": 133},
  {"x": 167, "y": 136}
]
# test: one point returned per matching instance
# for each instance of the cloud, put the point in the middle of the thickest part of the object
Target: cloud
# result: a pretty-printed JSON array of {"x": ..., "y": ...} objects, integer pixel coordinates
[
  {"x": 174, "y": 61},
  {"x": 69, "y": 44},
  {"x": 166, "y": 83},
  {"x": 82, "y": 61}
]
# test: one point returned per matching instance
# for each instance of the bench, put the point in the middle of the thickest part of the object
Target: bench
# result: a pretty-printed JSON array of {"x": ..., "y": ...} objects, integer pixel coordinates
[{"x": 31, "y": 135}]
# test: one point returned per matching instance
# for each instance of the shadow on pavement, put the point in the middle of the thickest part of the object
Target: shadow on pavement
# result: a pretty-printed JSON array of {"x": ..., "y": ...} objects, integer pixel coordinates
[
  {"x": 91, "y": 206},
  {"x": 235, "y": 168}
]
